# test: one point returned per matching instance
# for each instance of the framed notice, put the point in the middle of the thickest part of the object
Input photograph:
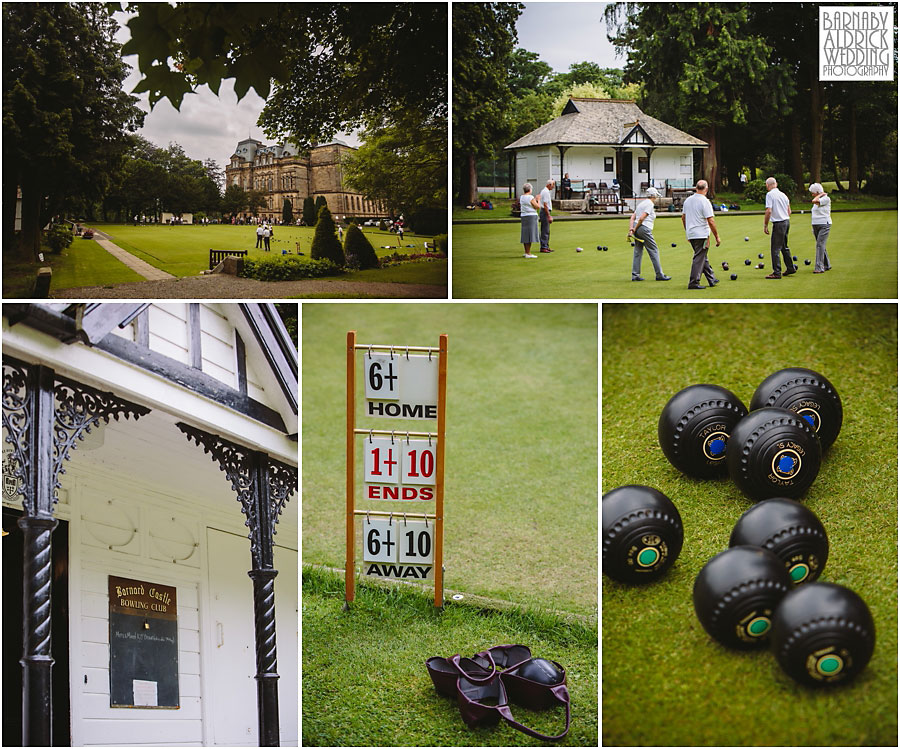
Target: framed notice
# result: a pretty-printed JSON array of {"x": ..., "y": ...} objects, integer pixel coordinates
[{"x": 143, "y": 644}]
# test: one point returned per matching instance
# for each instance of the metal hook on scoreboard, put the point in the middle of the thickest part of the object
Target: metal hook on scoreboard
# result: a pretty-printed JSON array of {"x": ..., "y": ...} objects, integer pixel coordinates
[
  {"x": 368, "y": 522},
  {"x": 407, "y": 438},
  {"x": 407, "y": 353},
  {"x": 392, "y": 353},
  {"x": 429, "y": 439},
  {"x": 390, "y": 518},
  {"x": 392, "y": 436},
  {"x": 429, "y": 354},
  {"x": 404, "y": 519},
  {"x": 370, "y": 352},
  {"x": 370, "y": 436},
  {"x": 426, "y": 519}
]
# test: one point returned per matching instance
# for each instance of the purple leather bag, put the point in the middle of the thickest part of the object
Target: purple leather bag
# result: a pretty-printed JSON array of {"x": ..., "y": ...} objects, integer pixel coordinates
[{"x": 484, "y": 684}]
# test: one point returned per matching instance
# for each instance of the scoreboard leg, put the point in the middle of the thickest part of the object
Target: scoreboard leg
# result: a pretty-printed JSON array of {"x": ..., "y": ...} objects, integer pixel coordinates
[
  {"x": 350, "y": 561},
  {"x": 439, "y": 480}
]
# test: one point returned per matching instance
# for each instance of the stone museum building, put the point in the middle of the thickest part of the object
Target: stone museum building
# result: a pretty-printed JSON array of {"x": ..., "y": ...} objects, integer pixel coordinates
[
  {"x": 150, "y": 524},
  {"x": 283, "y": 171}
]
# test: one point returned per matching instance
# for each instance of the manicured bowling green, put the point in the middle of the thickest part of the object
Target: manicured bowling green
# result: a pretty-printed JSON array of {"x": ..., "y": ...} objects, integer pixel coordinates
[
  {"x": 184, "y": 250},
  {"x": 488, "y": 262}
]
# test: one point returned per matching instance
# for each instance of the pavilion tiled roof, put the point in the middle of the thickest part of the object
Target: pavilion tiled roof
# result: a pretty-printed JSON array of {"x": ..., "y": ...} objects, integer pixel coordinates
[{"x": 603, "y": 122}]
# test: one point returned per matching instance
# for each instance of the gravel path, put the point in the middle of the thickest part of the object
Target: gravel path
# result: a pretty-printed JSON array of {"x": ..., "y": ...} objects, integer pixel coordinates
[{"x": 222, "y": 286}]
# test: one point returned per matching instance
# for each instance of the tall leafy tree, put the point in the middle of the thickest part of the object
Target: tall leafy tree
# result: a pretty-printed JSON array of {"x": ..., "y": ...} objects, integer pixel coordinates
[
  {"x": 404, "y": 168},
  {"x": 234, "y": 200},
  {"x": 484, "y": 36},
  {"x": 698, "y": 68},
  {"x": 287, "y": 212},
  {"x": 256, "y": 199},
  {"x": 65, "y": 116}
]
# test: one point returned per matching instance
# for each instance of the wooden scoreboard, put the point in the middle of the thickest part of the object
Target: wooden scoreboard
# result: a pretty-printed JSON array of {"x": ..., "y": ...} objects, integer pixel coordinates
[{"x": 399, "y": 466}]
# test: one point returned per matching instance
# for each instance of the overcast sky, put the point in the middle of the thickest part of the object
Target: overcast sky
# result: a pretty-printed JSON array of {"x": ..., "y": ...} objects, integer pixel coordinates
[
  {"x": 208, "y": 126},
  {"x": 563, "y": 33}
]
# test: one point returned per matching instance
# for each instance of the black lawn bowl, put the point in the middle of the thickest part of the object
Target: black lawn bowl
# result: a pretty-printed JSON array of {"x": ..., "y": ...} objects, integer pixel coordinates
[
  {"x": 789, "y": 530},
  {"x": 760, "y": 266},
  {"x": 794, "y": 257},
  {"x": 807, "y": 261},
  {"x": 736, "y": 595},
  {"x": 747, "y": 261},
  {"x": 599, "y": 247},
  {"x": 773, "y": 452},
  {"x": 695, "y": 426},
  {"x": 760, "y": 256},
  {"x": 823, "y": 634},
  {"x": 642, "y": 534},
  {"x": 724, "y": 265},
  {"x": 746, "y": 239},
  {"x": 674, "y": 245},
  {"x": 734, "y": 276},
  {"x": 809, "y": 395}
]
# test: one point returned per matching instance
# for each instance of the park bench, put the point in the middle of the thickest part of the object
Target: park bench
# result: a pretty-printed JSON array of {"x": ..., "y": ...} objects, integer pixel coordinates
[
  {"x": 604, "y": 200},
  {"x": 217, "y": 256}
]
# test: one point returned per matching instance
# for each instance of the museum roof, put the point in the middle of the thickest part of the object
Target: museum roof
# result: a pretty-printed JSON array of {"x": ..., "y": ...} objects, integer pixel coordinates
[{"x": 604, "y": 122}]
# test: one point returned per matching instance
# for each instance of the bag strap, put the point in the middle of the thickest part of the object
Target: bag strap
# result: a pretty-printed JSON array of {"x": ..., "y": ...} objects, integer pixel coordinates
[
  {"x": 562, "y": 694},
  {"x": 453, "y": 660}
]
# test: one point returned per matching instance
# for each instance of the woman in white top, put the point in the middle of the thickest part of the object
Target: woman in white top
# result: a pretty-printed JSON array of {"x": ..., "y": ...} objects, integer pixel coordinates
[
  {"x": 641, "y": 228},
  {"x": 528, "y": 208},
  {"x": 821, "y": 225}
]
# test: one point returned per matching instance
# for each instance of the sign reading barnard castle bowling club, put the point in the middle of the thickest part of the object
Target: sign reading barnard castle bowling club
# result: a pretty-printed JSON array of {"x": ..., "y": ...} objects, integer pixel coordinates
[{"x": 143, "y": 644}]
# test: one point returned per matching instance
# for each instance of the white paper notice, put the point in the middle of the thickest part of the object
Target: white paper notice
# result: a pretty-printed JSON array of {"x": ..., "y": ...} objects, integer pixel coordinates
[{"x": 144, "y": 693}]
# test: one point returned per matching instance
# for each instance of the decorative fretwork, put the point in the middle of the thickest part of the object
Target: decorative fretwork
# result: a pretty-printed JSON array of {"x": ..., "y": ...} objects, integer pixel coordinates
[
  {"x": 16, "y": 421},
  {"x": 282, "y": 485},
  {"x": 79, "y": 409},
  {"x": 243, "y": 467}
]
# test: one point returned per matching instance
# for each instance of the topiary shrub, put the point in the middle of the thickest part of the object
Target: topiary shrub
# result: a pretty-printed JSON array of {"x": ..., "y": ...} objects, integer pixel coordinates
[
  {"x": 59, "y": 237},
  {"x": 755, "y": 191},
  {"x": 320, "y": 203},
  {"x": 325, "y": 244},
  {"x": 357, "y": 245},
  {"x": 287, "y": 268},
  {"x": 440, "y": 243},
  {"x": 309, "y": 211}
]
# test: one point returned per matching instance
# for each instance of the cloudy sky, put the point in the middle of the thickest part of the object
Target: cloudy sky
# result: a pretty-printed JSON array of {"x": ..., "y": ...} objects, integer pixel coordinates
[
  {"x": 563, "y": 33},
  {"x": 208, "y": 126}
]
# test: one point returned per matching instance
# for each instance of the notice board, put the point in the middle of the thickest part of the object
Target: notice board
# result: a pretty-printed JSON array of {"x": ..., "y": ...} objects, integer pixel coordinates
[{"x": 143, "y": 644}]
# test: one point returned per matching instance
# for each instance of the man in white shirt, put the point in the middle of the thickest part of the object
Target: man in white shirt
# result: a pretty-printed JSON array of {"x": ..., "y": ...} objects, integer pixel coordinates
[
  {"x": 697, "y": 220},
  {"x": 641, "y": 229},
  {"x": 821, "y": 225},
  {"x": 545, "y": 217},
  {"x": 778, "y": 210},
  {"x": 259, "y": 235}
]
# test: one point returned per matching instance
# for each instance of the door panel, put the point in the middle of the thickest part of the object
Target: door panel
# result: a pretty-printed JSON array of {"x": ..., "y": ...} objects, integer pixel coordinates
[{"x": 232, "y": 688}]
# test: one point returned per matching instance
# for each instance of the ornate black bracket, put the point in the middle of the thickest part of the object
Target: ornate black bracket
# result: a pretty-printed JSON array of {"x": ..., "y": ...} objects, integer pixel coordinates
[
  {"x": 45, "y": 416},
  {"x": 263, "y": 487}
]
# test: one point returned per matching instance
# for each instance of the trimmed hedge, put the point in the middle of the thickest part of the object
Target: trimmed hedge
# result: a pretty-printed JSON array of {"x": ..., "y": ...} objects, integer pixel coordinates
[
  {"x": 440, "y": 242},
  {"x": 358, "y": 246},
  {"x": 287, "y": 268},
  {"x": 755, "y": 191},
  {"x": 325, "y": 244}
]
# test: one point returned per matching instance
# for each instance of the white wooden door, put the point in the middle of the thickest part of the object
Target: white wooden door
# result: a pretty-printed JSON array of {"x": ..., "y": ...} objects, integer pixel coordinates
[{"x": 232, "y": 666}]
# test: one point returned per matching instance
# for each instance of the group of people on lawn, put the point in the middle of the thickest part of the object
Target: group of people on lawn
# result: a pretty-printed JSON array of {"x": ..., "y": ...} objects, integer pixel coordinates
[{"x": 698, "y": 222}]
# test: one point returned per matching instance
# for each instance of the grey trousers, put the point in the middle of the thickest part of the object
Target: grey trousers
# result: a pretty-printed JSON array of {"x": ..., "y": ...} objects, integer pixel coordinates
[
  {"x": 821, "y": 232},
  {"x": 643, "y": 240},
  {"x": 545, "y": 230},
  {"x": 779, "y": 236},
  {"x": 700, "y": 265}
]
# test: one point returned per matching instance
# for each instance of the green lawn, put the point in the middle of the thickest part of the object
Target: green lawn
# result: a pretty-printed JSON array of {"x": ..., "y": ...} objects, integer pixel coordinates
[
  {"x": 83, "y": 263},
  {"x": 665, "y": 682},
  {"x": 184, "y": 250},
  {"x": 488, "y": 262},
  {"x": 521, "y": 470},
  {"x": 364, "y": 676}
]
